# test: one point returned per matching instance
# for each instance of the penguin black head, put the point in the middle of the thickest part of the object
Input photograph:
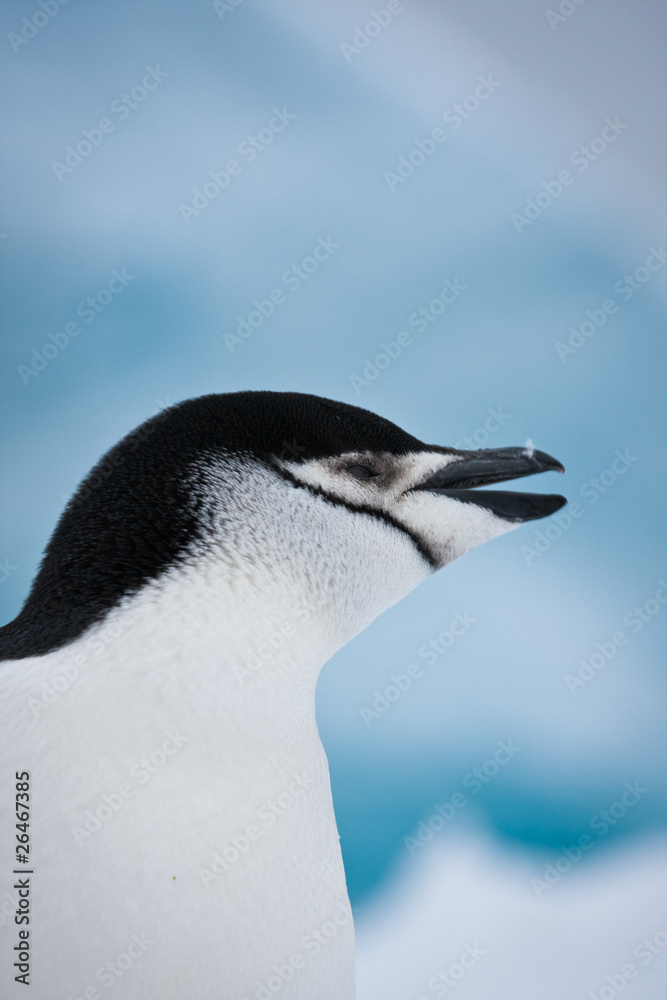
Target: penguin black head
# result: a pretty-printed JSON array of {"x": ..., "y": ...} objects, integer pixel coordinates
[{"x": 152, "y": 498}]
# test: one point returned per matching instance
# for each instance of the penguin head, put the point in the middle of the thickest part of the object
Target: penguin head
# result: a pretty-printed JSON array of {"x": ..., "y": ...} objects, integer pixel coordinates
[{"x": 277, "y": 483}]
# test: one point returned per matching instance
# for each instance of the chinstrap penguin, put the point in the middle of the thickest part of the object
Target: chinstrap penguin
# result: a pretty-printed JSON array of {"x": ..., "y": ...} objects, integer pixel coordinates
[{"x": 159, "y": 689}]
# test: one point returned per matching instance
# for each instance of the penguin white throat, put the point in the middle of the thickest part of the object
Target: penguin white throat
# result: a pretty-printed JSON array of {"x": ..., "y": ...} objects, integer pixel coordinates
[{"x": 198, "y": 581}]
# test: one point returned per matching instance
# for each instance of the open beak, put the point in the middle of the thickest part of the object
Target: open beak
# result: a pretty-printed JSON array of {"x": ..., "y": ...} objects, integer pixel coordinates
[{"x": 498, "y": 465}]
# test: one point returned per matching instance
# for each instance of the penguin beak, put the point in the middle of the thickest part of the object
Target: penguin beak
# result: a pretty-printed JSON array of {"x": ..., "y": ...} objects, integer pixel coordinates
[{"x": 498, "y": 465}]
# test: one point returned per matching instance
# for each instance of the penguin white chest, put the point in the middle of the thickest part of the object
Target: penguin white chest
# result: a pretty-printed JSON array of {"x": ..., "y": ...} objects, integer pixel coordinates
[{"x": 198, "y": 820}]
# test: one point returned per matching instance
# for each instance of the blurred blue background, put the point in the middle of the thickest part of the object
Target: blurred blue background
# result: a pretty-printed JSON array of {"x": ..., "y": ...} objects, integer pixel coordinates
[{"x": 117, "y": 116}]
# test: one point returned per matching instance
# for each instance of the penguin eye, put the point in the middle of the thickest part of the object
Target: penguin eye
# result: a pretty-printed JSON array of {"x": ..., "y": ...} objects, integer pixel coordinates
[{"x": 360, "y": 471}]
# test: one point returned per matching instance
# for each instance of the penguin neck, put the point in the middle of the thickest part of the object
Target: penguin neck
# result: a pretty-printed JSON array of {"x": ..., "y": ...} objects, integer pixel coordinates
[
  {"x": 241, "y": 627},
  {"x": 285, "y": 577},
  {"x": 233, "y": 637},
  {"x": 235, "y": 676}
]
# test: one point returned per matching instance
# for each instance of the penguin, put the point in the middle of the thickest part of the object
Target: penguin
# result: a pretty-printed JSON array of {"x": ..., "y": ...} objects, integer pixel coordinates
[{"x": 166, "y": 805}]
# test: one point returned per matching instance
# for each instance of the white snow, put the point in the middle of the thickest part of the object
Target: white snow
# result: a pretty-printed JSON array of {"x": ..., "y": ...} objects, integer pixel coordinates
[
  {"x": 461, "y": 897},
  {"x": 529, "y": 448}
]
